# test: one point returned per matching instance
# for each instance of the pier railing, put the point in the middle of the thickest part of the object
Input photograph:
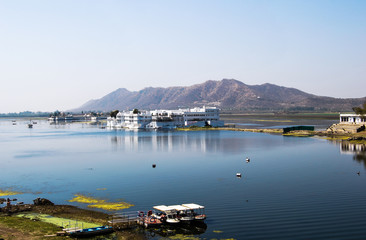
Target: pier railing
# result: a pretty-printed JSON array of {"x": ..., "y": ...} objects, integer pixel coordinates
[
  {"x": 123, "y": 220},
  {"x": 72, "y": 226}
]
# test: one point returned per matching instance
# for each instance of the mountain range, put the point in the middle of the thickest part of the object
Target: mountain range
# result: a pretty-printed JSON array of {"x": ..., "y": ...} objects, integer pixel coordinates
[{"x": 227, "y": 94}]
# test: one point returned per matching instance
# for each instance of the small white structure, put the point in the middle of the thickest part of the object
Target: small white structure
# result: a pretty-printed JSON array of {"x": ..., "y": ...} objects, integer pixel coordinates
[{"x": 351, "y": 118}]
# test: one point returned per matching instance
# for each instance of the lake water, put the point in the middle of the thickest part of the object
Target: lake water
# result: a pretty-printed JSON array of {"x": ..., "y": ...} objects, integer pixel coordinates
[{"x": 293, "y": 188}]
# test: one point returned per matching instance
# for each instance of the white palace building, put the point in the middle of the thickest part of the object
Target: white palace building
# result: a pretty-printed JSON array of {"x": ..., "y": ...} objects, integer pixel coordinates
[{"x": 167, "y": 119}]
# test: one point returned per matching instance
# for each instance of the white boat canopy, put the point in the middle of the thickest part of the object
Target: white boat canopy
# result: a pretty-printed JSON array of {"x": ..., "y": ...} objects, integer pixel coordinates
[
  {"x": 164, "y": 208},
  {"x": 193, "y": 206},
  {"x": 179, "y": 207}
]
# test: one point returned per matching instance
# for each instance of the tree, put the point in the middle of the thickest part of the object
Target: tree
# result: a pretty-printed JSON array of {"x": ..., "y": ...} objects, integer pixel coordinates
[
  {"x": 114, "y": 113},
  {"x": 57, "y": 113},
  {"x": 135, "y": 111},
  {"x": 360, "y": 110}
]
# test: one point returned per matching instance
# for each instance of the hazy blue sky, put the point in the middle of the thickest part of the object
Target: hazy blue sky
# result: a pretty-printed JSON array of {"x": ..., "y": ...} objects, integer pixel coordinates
[{"x": 60, "y": 54}]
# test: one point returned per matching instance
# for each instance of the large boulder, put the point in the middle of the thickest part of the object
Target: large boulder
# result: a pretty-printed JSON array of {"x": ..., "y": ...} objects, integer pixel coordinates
[{"x": 42, "y": 202}]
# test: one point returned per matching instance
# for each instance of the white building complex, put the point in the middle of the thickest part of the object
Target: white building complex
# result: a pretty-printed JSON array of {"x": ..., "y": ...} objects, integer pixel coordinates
[{"x": 167, "y": 119}]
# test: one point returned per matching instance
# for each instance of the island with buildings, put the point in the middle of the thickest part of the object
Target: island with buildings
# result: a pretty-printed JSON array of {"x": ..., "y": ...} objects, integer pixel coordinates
[{"x": 166, "y": 119}]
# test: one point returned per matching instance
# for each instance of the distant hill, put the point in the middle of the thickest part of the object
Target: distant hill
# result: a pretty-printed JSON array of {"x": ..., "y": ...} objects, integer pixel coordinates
[{"x": 227, "y": 94}]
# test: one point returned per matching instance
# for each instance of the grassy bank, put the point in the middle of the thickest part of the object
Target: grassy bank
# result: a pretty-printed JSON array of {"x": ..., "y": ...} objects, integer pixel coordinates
[{"x": 14, "y": 226}]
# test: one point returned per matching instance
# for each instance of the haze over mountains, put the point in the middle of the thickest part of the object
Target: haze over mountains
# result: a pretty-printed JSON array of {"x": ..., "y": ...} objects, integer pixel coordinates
[{"x": 227, "y": 94}]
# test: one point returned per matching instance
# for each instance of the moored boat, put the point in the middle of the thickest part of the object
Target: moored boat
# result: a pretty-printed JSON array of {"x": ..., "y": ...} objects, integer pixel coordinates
[
  {"x": 87, "y": 232},
  {"x": 198, "y": 211},
  {"x": 149, "y": 220},
  {"x": 167, "y": 214},
  {"x": 184, "y": 214}
]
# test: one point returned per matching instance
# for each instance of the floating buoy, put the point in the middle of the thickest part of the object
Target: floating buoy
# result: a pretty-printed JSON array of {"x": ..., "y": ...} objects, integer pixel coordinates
[
  {"x": 154, "y": 165},
  {"x": 238, "y": 175},
  {"x": 247, "y": 159}
]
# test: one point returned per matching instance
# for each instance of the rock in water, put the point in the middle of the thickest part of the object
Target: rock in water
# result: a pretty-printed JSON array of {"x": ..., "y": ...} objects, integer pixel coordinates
[{"x": 42, "y": 202}]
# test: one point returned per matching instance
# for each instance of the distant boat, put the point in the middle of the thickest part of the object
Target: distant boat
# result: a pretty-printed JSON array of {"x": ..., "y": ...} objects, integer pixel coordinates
[{"x": 30, "y": 125}]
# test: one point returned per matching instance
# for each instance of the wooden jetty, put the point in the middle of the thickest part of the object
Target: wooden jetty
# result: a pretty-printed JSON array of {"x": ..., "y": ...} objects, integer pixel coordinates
[{"x": 123, "y": 220}]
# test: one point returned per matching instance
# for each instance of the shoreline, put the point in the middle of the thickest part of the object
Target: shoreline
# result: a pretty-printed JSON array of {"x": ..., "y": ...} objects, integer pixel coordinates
[
  {"x": 13, "y": 226},
  {"x": 359, "y": 137}
]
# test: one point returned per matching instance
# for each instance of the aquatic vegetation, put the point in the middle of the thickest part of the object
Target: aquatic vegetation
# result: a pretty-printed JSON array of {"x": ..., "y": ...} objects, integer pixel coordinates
[
  {"x": 8, "y": 193},
  {"x": 84, "y": 199},
  {"x": 61, "y": 222},
  {"x": 217, "y": 231},
  {"x": 299, "y": 134},
  {"x": 111, "y": 206},
  {"x": 183, "y": 237},
  {"x": 222, "y": 239},
  {"x": 101, "y": 189},
  {"x": 100, "y": 203}
]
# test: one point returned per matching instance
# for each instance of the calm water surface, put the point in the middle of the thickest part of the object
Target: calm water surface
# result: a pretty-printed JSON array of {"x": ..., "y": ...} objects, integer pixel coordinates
[{"x": 293, "y": 188}]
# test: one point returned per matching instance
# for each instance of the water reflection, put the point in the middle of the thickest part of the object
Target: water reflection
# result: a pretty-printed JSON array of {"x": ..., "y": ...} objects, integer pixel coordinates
[
  {"x": 165, "y": 143},
  {"x": 181, "y": 230},
  {"x": 208, "y": 141},
  {"x": 357, "y": 149}
]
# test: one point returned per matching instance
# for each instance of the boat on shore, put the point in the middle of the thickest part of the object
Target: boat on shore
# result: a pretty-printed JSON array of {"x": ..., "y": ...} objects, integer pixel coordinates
[{"x": 89, "y": 232}]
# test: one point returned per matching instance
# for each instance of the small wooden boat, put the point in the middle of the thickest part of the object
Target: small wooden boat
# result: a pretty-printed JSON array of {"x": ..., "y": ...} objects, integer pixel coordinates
[{"x": 87, "y": 232}]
